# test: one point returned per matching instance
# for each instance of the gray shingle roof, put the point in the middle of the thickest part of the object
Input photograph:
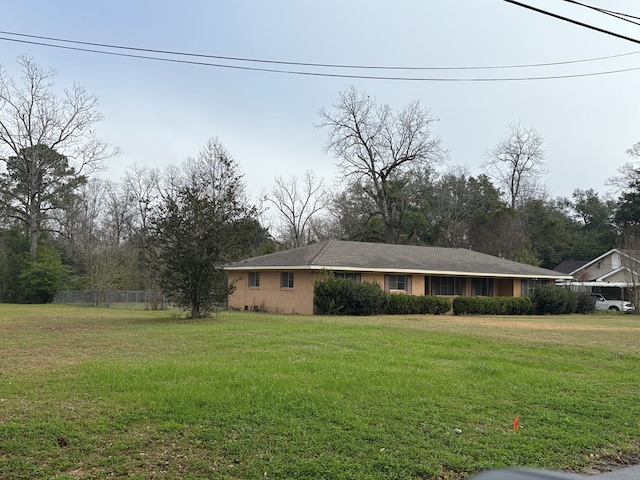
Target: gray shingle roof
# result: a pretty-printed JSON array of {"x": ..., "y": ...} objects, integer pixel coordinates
[
  {"x": 570, "y": 266},
  {"x": 361, "y": 256}
]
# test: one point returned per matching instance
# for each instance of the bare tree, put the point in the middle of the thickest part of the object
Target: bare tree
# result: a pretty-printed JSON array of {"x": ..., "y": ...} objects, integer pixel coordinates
[
  {"x": 142, "y": 189},
  {"x": 299, "y": 203},
  {"x": 627, "y": 173},
  {"x": 45, "y": 136},
  {"x": 517, "y": 164},
  {"x": 81, "y": 223},
  {"x": 215, "y": 167},
  {"x": 630, "y": 260},
  {"x": 119, "y": 212},
  {"x": 96, "y": 227},
  {"x": 382, "y": 150},
  {"x": 634, "y": 151}
]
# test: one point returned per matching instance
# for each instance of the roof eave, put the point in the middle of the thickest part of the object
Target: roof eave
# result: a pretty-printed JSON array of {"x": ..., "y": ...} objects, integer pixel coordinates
[{"x": 400, "y": 271}]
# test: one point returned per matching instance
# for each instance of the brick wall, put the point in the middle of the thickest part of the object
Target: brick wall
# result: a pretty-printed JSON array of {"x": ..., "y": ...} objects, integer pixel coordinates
[{"x": 270, "y": 296}]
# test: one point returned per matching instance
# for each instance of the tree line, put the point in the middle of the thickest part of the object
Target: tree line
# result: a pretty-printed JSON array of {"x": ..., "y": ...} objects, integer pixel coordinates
[
  {"x": 396, "y": 191},
  {"x": 64, "y": 226}
]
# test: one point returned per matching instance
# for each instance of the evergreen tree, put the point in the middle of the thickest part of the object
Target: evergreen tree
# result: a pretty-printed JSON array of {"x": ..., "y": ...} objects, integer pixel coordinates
[{"x": 203, "y": 224}]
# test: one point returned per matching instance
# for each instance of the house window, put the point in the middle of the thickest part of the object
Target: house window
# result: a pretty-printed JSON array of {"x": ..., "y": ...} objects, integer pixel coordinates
[
  {"x": 447, "y": 286},
  {"x": 397, "y": 282},
  {"x": 254, "y": 279},
  {"x": 482, "y": 287},
  {"x": 286, "y": 280},
  {"x": 529, "y": 285},
  {"x": 356, "y": 277}
]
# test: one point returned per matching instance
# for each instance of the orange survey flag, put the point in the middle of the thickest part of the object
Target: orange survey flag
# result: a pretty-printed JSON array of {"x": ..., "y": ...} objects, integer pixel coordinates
[{"x": 516, "y": 423}]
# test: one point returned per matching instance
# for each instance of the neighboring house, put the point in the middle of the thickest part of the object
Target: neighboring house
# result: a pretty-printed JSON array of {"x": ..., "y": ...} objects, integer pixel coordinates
[
  {"x": 614, "y": 273},
  {"x": 283, "y": 282}
]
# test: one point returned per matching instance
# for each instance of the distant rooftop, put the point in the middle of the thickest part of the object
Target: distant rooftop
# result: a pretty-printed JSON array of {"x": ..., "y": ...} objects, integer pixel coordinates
[{"x": 570, "y": 266}]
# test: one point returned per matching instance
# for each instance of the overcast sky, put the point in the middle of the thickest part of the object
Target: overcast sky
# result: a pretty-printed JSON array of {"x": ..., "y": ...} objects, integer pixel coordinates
[{"x": 159, "y": 113}]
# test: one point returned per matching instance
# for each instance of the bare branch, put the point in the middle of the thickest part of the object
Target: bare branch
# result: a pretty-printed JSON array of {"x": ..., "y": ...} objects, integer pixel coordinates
[
  {"x": 299, "y": 204},
  {"x": 517, "y": 163},
  {"x": 377, "y": 147},
  {"x": 46, "y": 144},
  {"x": 32, "y": 114},
  {"x": 628, "y": 173}
]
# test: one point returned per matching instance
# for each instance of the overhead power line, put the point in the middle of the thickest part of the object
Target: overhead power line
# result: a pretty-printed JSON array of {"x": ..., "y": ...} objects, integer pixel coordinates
[
  {"x": 305, "y": 64},
  {"x": 306, "y": 73},
  {"x": 571, "y": 20},
  {"x": 619, "y": 15}
]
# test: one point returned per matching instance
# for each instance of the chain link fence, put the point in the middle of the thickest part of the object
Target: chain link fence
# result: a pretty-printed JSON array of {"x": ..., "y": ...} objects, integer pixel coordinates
[{"x": 133, "y": 299}]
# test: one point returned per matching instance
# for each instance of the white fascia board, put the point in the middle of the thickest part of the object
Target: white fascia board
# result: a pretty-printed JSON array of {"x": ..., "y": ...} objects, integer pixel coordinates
[
  {"x": 609, "y": 274},
  {"x": 442, "y": 273},
  {"x": 623, "y": 253},
  {"x": 587, "y": 265},
  {"x": 403, "y": 271},
  {"x": 256, "y": 268},
  {"x": 601, "y": 284},
  {"x": 613, "y": 272},
  {"x": 615, "y": 250}
]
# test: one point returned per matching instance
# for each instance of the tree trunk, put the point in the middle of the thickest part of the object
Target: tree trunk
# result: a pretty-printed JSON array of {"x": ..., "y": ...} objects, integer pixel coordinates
[
  {"x": 34, "y": 229},
  {"x": 195, "y": 306}
]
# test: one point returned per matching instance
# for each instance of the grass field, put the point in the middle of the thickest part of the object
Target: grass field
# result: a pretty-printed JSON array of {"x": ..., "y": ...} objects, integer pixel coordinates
[{"x": 99, "y": 393}]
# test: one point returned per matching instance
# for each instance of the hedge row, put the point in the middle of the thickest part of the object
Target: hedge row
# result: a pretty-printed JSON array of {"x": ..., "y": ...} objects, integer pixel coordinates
[
  {"x": 546, "y": 300},
  {"x": 492, "y": 306},
  {"x": 339, "y": 296},
  {"x": 399, "y": 303}
]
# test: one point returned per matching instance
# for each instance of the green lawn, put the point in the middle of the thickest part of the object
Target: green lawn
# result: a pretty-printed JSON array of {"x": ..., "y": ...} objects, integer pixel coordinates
[{"x": 97, "y": 393}]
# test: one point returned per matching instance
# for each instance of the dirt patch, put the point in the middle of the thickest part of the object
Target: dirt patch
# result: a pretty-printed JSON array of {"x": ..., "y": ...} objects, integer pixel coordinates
[{"x": 608, "y": 462}]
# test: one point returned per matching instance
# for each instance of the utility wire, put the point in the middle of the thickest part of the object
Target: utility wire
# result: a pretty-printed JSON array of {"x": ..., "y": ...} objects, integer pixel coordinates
[
  {"x": 576, "y": 22},
  {"x": 301, "y": 64},
  {"x": 320, "y": 74},
  {"x": 626, "y": 15},
  {"x": 620, "y": 16}
]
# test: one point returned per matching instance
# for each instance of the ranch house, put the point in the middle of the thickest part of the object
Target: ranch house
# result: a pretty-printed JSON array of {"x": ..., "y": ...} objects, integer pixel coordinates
[{"x": 282, "y": 282}]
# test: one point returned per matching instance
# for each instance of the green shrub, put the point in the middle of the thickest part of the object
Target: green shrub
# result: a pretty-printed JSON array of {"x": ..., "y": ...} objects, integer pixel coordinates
[
  {"x": 518, "y": 305},
  {"x": 340, "y": 296},
  {"x": 325, "y": 297},
  {"x": 434, "y": 305},
  {"x": 399, "y": 304},
  {"x": 395, "y": 305},
  {"x": 368, "y": 298},
  {"x": 553, "y": 300},
  {"x": 492, "y": 306},
  {"x": 405, "y": 304},
  {"x": 467, "y": 306},
  {"x": 586, "y": 303},
  {"x": 43, "y": 277}
]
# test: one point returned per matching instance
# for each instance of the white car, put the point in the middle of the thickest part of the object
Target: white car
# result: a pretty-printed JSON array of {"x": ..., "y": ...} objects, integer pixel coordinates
[{"x": 605, "y": 301}]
